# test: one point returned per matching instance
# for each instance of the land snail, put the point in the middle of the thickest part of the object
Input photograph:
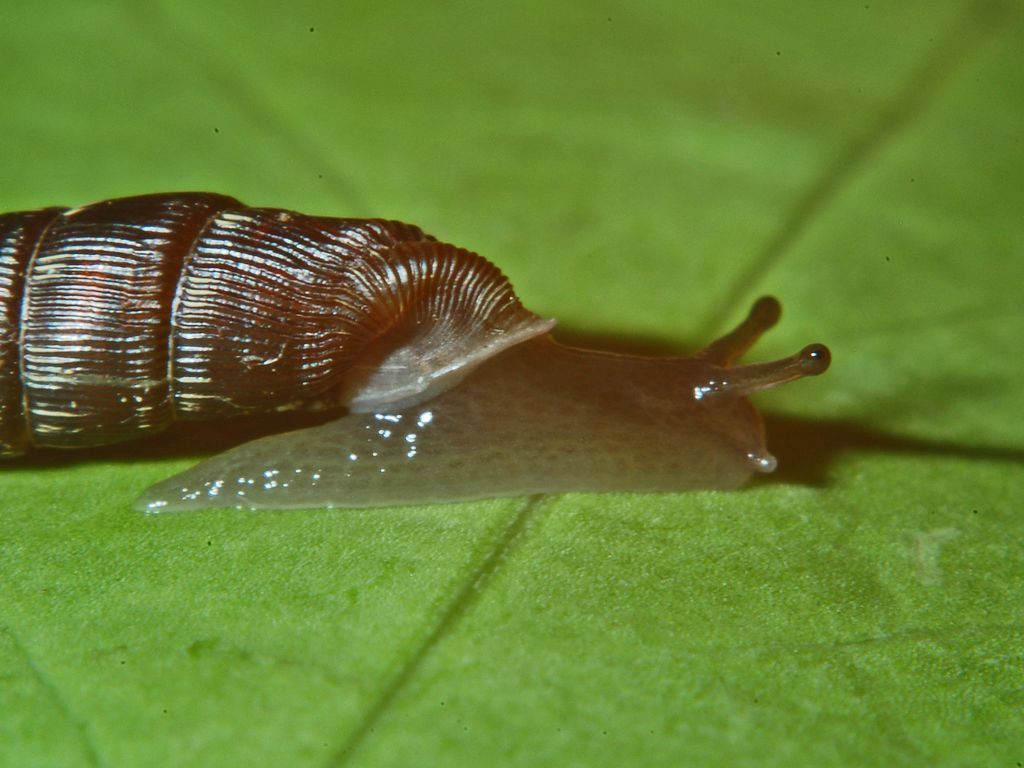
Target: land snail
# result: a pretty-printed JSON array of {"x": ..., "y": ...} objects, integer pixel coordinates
[{"x": 120, "y": 317}]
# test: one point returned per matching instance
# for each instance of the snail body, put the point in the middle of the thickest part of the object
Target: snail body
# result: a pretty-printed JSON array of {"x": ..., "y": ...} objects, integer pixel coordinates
[{"x": 118, "y": 318}]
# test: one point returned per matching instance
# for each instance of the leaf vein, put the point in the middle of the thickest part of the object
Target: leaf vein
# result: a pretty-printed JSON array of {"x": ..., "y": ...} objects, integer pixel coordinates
[
  {"x": 978, "y": 21},
  {"x": 51, "y": 690},
  {"x": 465, "y": 597}
]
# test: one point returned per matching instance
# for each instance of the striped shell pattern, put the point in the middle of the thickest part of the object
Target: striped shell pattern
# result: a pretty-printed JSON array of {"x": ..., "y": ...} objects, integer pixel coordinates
[{"x": 120, "y": 317}]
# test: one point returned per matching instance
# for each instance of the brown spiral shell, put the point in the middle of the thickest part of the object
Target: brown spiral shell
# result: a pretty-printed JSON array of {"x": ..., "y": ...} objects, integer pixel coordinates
[{"x": 120, "y": 317}]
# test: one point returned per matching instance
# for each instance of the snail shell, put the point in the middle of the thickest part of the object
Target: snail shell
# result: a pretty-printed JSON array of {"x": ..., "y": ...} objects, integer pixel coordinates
[{"x": 123, "y": 316}]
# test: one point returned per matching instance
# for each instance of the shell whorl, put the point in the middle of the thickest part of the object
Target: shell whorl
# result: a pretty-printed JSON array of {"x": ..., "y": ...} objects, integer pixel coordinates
[{"x": 119, "y": 317}]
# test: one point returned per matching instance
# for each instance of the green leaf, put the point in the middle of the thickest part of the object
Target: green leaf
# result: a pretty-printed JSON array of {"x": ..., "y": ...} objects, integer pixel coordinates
[{"x": 641, "y": 173}]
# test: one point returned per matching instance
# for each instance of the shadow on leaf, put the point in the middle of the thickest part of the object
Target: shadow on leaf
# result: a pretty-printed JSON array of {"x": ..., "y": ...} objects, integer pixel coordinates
[{"x": 806, "y": 448}]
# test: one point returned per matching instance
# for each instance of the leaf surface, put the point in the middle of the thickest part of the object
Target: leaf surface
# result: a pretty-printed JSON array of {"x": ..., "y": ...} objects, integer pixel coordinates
[{"x": 642, "y": 174}]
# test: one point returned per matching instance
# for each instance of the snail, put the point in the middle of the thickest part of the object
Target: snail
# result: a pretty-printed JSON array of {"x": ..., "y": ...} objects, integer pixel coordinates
[{"x": 120, "y": 317}]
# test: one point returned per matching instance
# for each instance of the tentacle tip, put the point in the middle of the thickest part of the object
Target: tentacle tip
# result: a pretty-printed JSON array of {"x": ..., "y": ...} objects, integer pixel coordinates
[
  {"x": 815, "y": 359},
  {"x": 762, "y": 462},
  {"x": 766, "y": 311}
]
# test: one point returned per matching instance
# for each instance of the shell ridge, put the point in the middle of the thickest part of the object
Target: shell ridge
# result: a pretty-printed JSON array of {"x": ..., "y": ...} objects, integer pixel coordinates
[
  {"x": 14, "y": 403},
  {"x": 183, "y": 265}
]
